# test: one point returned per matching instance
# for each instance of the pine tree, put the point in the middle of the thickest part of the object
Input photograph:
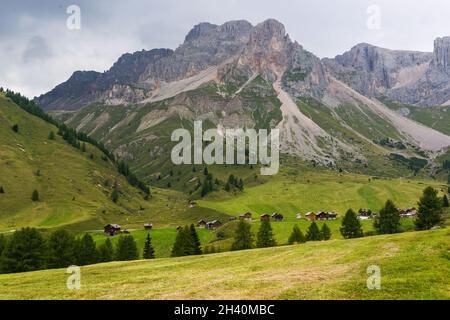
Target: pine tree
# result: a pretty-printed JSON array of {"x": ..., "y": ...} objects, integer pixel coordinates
[
  {"x": 240, "y": 185},
  {"x": 296, "y": 236},
  {"x": 126, "y": 248},
  {"x": 2, "y": 190},
  {"x": 15, "y": 128},
  {"x": 243, "y": 237},
  {"x": 197, "y": 247},
  {"x": 106, "y": 251},
  {"x": 35, "y": 196},
  {"x": 313, "y": 233},
  {"x": 388, "y": 220},
  {"x": 149, "y": 252},
  {"x": 184, "y": 243},
  {"x": 264, "y": 238},
  {"x": 351, "y": 226},
  {"x": 51, "y": 135},
  {"x": 430, "y": 210},
  {"x": 2, "y": 244},
  {"x": 61, "y": 250},
  {"x": 325, "y": 232},
  {"x": 86, "y": 250},
  {"x": 115, "y": 194},
  {"x": 444, "y": 200},
  {"x": 24, "y": 251}
]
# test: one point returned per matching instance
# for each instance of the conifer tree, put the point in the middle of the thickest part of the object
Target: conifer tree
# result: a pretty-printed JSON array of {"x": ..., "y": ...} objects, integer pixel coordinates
[
  {"x": 296, "y": 236},
  {"x": 83, "y": 147},
  {"x": 35, "y": 196},
  {"x": 15, "y": 128},
  {"x": 430, "y": 210},
  {"x": 184, "y": 243},
  {"x": 264, "y": 238},
  {"x": 115, "y": 193},
  {"x": 106, "y": 251},
  {"x": 388, "y": 221},
  {"x": 243, "y": 237},
  {"x": 313, "y": 233},
  {"x": 149, "y": 252},
  {"x": 240, "y": 185},
  {"x": 51, "y": 135},
  {"x": 2, "y": 243},
  {"x": 86, "y": 250},
  {"x": 197, "y": 247},
  {"x": 445, "y": 203},
  {"x": 126, "y": 248},
  {"x": 2, "y": 190},
  {"x": 351, "y": 226},
  {"x": 61, "y": 250},
  {"x": 325, "y": 232},
  {"x": 24, "y": 251}
]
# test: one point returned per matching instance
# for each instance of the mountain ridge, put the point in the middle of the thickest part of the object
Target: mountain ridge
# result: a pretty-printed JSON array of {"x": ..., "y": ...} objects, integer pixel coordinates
[{"x": 236, "y": 74}]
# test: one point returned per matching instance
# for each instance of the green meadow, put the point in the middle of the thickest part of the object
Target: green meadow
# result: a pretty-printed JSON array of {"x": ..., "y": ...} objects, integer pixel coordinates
[{"x": 413, "y": 265}]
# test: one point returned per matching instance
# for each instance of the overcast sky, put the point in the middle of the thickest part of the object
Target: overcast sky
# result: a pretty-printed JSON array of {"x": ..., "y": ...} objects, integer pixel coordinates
[{"x": 38, "y": 51}]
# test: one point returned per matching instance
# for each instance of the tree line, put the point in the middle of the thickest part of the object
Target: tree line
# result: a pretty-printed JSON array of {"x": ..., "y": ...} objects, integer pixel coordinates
[
  {"x": 430, "y": 214},
  {"x": 73, "y": 137},
  {"x": 28, "y": 250}
]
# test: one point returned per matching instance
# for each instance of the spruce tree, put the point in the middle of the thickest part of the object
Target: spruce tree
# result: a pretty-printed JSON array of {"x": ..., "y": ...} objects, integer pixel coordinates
[
  {"x": 24, "y": 251},
  {"x": 184, "y": 243},
  {"x": 86, "y": 250},
  {"x": 51, "y": 135},
  {"x": 444, "y": 201},
  {"x": 205, "y": 171},
  {"x": 388, "y": 221},
  {"x": 2, "y": 243},
  {"x": 240, "y": 185},
  {"x": 197, "y": 247},
  {"x": 351, "y": 226},
  {"x": 149, "y": 252},
  {"x": 313, "y": 233},
  {"x": 115, "y": 194},
  {"x": 126, "y": 248},
  {"x": 15, "y": 128},
  {"x": 296, "y": 236},
  {"x": 264, "y": 238},
  {"x": 430, "y": 210},
  {"x": 325, "y": 232},
  {"x": 243, "y": 237},
  {"x": 2, "y": 190},
  {"x": 61, "y": 250},
  {"x": 35, "y": 196},
  {"x": 106, "y": 251}
]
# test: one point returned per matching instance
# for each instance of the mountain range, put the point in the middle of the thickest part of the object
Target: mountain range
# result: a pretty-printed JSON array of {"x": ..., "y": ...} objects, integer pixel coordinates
[{"x": 355, "y": 110}]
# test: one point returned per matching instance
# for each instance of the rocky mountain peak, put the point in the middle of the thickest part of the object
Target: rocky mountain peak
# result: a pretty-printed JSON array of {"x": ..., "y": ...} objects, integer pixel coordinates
[
  {"x": 268, "y": 31},
  {"x": 199, "y": 31},
  {"x": 442, "y": 52}
]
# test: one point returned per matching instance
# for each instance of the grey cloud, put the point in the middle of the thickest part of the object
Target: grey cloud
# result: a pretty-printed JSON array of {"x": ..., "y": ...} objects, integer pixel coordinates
[{"x": 36, "y": 50}]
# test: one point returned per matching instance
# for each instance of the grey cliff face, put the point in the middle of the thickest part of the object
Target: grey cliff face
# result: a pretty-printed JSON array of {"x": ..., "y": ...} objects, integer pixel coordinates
[{"x": 239, "y": 51}]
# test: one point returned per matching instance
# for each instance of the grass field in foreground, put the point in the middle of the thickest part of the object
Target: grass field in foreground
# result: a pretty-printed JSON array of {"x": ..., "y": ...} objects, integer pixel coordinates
[{"x": 414, "y": 265}]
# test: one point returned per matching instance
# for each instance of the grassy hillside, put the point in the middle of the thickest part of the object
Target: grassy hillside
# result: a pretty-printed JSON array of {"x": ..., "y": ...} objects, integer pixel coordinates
[
  {"x": 74, "y": 189},
  {"x": 413, "y": 265},
  {"x": 303, "y": 190}
]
